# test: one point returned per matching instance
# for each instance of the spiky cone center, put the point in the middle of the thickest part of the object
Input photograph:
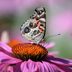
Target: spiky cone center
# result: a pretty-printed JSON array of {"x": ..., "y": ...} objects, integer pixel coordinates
[{"x": 27, "y": 51}]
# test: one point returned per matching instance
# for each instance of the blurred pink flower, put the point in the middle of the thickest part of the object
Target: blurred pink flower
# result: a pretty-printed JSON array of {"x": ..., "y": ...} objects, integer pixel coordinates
[
  {"x": 16, "y": 5},
  {"x": 61, "y": 23},
  {"x": 7, "y": 6}
]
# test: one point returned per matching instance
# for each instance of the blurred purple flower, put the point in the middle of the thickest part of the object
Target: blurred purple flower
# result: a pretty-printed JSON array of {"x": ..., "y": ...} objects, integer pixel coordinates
[
  {"x": 9, "y": 63},
  {"x": 7, "y": 6}
]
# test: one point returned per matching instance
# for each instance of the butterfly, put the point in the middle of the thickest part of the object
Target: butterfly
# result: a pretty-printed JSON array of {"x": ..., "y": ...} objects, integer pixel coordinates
[{"x": 35, "y": 27}]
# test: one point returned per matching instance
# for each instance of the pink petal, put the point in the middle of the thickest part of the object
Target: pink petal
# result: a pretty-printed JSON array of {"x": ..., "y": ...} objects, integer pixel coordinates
[
  {"x": 51, "y": 67},
  {"x": 4, "y": 56},
  {"x": 29, "y": 66},
  {"x": 54, "y": 53},
  {"x": 8, "y": 59},
  {"x": 13, "y": 61},
  {"x": 63, "y": 64},
  {"x": 3, "y": 67},
  {"x": 60, "y": 61},
  {"x": 24, "y": 67},
  {"x": 10, "y": 69},
  {"x": 41, "y": 67},
  {"x": 47, "y": 45},
  {"x": 47, "y": 67},
  {"x": 5, "y": 47}
]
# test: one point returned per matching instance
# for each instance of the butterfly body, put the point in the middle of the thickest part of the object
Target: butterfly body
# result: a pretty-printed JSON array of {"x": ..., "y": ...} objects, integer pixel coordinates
[{"x": 34, "y": 28}]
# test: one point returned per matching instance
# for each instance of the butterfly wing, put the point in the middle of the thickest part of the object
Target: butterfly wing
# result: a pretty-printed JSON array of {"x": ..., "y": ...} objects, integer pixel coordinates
[{"x": 34, "y": 28}]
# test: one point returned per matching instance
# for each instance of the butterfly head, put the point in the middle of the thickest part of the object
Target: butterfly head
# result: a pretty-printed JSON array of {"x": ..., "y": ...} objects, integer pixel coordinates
[{"x": 39, "y": 11}]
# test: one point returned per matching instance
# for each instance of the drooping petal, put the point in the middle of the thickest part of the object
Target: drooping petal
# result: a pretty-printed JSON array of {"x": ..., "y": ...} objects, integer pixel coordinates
[
  {"x": 16, "y": 67},
  {"x": 4, "y": 58},
  {"x": 3, "y": 67},
  {"x": 47, "y": 45},
  {"x": 12, "y": 61},
  {"x": 9, "y": 64},
  {"x": 63, "y": 64},
  {"x": 41, "y": 67},
  {"x": 65, "y": 68},
  {"x": 51, "y": 67},
  {"x": 53, "y": 53},
  {"x": 5, "y": 47},
  {"x": 24, "y": 67},
  {"x": 29, "y": 66},
  {"x": 47, "y": 67},
  {"x": 60, "y": 61},
  {"x": 10, "y": 69}
]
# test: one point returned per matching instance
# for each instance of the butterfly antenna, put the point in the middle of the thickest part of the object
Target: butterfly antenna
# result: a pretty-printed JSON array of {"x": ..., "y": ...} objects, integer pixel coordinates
[{"x": 52, "y": 36}]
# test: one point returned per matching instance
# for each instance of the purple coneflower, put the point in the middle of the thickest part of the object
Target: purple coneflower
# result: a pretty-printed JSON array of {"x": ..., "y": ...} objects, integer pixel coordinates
[{"x": 29, "y": 57}]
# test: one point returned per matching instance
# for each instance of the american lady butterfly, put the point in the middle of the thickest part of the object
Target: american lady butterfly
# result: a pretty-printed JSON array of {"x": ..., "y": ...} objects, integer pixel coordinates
[{"x": 34, "y": 28}]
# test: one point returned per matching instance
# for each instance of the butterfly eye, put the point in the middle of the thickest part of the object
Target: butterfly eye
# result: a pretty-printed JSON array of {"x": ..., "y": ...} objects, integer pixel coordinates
[{"x": 26, "y": 30}]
